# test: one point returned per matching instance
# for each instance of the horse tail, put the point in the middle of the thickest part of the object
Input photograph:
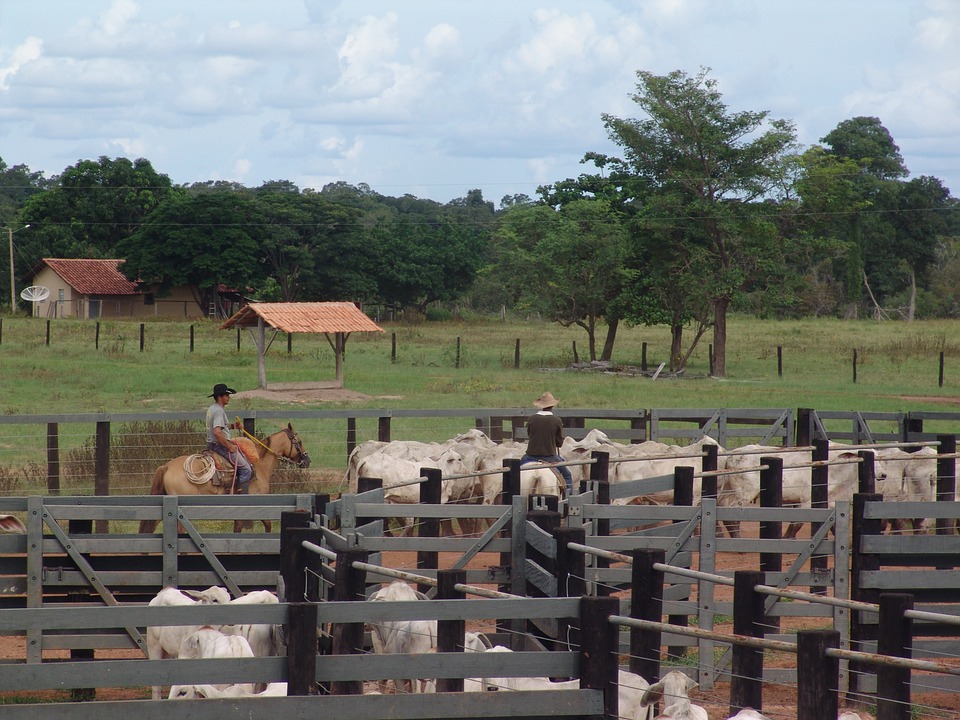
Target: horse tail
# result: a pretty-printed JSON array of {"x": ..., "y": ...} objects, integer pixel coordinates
[{"x": 156, "y": 488}]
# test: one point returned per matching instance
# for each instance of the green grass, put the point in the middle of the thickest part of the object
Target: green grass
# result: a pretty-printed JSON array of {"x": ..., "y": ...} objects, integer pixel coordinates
[
  {"x": 897, "y": 366},
  {"x": 897, "y": 370}
]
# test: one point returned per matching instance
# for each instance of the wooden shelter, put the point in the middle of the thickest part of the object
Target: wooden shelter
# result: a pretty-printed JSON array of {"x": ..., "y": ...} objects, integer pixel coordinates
[{"x": 336, "y": 320}]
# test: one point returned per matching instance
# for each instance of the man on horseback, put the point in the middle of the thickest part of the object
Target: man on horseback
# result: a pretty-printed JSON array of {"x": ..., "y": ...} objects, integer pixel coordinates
[
  {"x": 218, "y": 437},
  {"x": 545, "y": 436}
]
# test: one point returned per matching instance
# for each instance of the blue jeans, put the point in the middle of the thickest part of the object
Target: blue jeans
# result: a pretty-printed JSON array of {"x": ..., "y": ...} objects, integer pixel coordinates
[
  {"x": 562, "y": 469},
  {"x": 244, "y": 468}
]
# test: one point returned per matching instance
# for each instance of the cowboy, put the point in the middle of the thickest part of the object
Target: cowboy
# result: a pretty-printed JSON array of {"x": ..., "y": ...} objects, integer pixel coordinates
[
  {"x": 218, "y": 437},
  {"x": 545, "y": 436}
]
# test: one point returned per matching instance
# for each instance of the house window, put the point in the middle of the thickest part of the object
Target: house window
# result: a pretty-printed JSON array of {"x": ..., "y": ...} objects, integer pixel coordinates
[
  {"x": 148, "y": 299},
  {"x": 60, "y": 295}
]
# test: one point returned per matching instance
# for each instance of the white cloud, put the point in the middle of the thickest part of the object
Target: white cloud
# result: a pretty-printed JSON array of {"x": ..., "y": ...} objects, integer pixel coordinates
[{"x": 29, "y": 50}]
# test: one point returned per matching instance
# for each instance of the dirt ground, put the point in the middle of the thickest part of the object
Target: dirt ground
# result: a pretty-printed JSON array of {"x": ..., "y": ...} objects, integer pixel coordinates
[{"x": 309, "y": 393}]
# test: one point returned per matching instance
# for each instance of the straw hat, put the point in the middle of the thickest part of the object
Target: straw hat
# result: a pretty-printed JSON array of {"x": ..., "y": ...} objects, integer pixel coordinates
[{"x": 547, "y": 400}]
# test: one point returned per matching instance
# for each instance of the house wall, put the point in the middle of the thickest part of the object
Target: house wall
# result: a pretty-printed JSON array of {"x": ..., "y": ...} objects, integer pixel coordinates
[{"x": 66, "y": 302}]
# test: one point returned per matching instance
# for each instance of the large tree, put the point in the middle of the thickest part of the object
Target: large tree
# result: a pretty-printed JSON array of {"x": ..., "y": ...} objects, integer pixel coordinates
[
  {"x": 574, "y": 270},
  {"x": 714, "y": 165},
  {"x": 199, "y": 241},
  {"x": 92, "y": 206}
]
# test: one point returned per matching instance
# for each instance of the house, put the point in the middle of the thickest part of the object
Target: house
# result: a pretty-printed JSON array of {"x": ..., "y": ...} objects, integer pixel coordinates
[{"x": 86, "y": 288}]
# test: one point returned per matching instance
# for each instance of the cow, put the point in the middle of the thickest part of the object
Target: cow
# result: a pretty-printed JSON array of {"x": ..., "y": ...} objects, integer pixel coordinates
[{"x": 402, "y": 636}]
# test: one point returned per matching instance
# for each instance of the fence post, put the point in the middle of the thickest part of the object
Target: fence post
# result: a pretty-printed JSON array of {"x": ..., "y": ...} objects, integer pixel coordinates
[
  {"x": 598, "y": 650},
  {"x": 347, "y": 638},
  {"x": 866, "y": 472},
  {"x": 646, "y": 604},
  {"x": 893, "y": 683},
  {"x": 804, "y": 426},
  {"x": 351, "y": 434},
  {"x": 301, "y": 637},
  {"x": 101, "y": 466},
  {"x": 779, "y": 361},
  {"x": 548, "y": 520},
  {"x": 516, "y": 355},
  {"x": 430, "y": 491},
  {"x": 191, "y": 338},
  {"x": 860, "y": 631},
  {"x": 457, "y": 361},
  {"x": 295, "y": 561},
  {"x": 708, "y": 483},
  {"x": 141, "y": 336},
  {"x": 643, "y": 357},
  {"x": 96, "y": 337},
  {"x": 383, "y": 428},
  {"x": 946, "y": 480},
  {"x": 940, "y": 375},
  {"x": 771, "y": 496},
  {"x": 746, "y": 682},
  {"x": 450, "y": 632},
  {"x": 571, "y": 573},
  {"x": 53, "y": 458},
  {"x": 682, "y": 497},
  {"x": 817, "y": 674},
  {"x": 600, "y": 477},
  {"x": 819, "y": 483},
  {"x": 393, "y": 348},
  {"x": 48, "y": 333}
]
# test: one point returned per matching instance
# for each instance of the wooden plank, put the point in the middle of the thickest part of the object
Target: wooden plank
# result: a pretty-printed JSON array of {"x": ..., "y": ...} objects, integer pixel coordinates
[{"x": 532, "y": 705}]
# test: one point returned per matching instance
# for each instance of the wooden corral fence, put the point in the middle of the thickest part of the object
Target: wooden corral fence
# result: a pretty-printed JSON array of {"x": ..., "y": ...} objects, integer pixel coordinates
[
  {"x": 44, "y": 438},
  {"x": 548, "y": 551}
]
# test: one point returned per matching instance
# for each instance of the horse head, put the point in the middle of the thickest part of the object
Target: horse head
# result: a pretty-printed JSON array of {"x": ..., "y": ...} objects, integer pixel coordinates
[{"x": 297, "y": 454}]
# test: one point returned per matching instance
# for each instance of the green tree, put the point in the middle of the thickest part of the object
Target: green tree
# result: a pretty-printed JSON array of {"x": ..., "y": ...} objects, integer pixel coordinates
[
  {"x": 575, "y": 268},
  {"x": 199, "y": 241},
  {"x": 92, "y": 206},
  {"x": 713, "y": 164}
]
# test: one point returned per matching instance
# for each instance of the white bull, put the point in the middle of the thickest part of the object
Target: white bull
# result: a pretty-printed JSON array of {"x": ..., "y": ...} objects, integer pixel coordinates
[
  {"x": 743, "y": 488},
  {"x": 402, "y": 636}
]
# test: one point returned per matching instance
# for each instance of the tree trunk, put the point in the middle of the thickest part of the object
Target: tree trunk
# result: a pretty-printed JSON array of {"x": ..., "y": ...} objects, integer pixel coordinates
[
  {"x": 676, "y": 347},
  {"x": 720, "y": 337},
  {"x": 912, "y": 309},
  {"x": 611, "y": 337},
  {"x": 592, "y": 335}
]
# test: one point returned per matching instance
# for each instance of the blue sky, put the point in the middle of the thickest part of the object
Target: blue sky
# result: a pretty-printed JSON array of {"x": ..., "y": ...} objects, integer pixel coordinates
[{"x": 435, "y": 98}]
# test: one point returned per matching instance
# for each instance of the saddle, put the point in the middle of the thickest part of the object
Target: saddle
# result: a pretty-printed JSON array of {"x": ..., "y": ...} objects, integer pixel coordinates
[{"x": 208, "y": 466}]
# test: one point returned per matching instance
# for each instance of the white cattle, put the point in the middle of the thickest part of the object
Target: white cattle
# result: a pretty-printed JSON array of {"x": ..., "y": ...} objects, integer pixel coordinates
[
  {"x": 653, "y": 459},
  {"x": 164, "y": 641},
  {"x": 8, "y": 523},
  {"x": 190, "y": 692},
  {"x": 207, "y": 643},
  {"x": 748, "y": 714},
  {"x": 631, "y": 690},
  {"x": 906, "y": 477},
  {"x": 674, "y": 690},
  {"x": 264, "y": 639},
  {"x": 401, "y": 477},
  {"x": 402, "y": 636},
  {"x": 743, "y": 488}
]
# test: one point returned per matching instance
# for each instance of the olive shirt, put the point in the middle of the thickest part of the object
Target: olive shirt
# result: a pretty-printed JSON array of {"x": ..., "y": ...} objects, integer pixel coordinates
[{"x": 544, "y": 434}]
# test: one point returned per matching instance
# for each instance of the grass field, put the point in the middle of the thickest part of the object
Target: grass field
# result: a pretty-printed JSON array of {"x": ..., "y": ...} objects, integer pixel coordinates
[
  {"x": 897, "y": 366},
  {"x": 75, "y": 371}
]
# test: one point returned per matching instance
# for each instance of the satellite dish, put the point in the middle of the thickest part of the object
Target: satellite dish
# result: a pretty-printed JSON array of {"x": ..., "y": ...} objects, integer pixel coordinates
[{"x": 35, "y": 293}]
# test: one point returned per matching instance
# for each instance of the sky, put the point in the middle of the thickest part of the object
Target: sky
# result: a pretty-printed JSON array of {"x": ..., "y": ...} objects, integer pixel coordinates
[{"x": 434, "y": 98}]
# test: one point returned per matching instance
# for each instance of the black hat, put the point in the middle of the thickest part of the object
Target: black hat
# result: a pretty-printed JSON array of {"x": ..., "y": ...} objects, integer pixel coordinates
[{"x": 221, "y": 389}]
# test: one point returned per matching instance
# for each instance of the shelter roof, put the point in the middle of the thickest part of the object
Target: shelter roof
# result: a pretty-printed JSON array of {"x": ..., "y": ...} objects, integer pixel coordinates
[
  {"x": 92, "y": 277},
  {"x": 306, "y": 317}
]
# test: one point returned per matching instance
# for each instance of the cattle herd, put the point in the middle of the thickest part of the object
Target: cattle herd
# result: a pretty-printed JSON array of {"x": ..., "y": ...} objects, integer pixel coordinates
[{"x": 472, "y": 465}]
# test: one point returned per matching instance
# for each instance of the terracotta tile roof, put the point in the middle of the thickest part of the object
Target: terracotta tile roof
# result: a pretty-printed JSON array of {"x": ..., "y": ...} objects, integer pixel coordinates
[
  {"x": 93, "y": 277},
  {"x": 306, "y": 317}
]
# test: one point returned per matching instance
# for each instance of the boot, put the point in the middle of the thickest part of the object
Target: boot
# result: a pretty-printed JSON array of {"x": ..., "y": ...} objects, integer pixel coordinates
[{"x": 240, "y": 489}]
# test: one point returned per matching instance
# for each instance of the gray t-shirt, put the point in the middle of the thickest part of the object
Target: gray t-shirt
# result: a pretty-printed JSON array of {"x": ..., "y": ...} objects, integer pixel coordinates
[{"x": 217, "y": 418}]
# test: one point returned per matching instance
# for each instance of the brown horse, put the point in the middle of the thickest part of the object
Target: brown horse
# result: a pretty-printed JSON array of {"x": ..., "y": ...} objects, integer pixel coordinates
[{"x": 171, "y": 478}]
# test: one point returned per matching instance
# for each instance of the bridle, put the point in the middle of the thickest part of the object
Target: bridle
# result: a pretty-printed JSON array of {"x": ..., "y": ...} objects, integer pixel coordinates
[{"x": 303, "y": 459}]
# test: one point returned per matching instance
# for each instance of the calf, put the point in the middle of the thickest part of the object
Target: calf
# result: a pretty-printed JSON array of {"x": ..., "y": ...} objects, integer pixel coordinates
[{"x": 164, "y": 641}]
